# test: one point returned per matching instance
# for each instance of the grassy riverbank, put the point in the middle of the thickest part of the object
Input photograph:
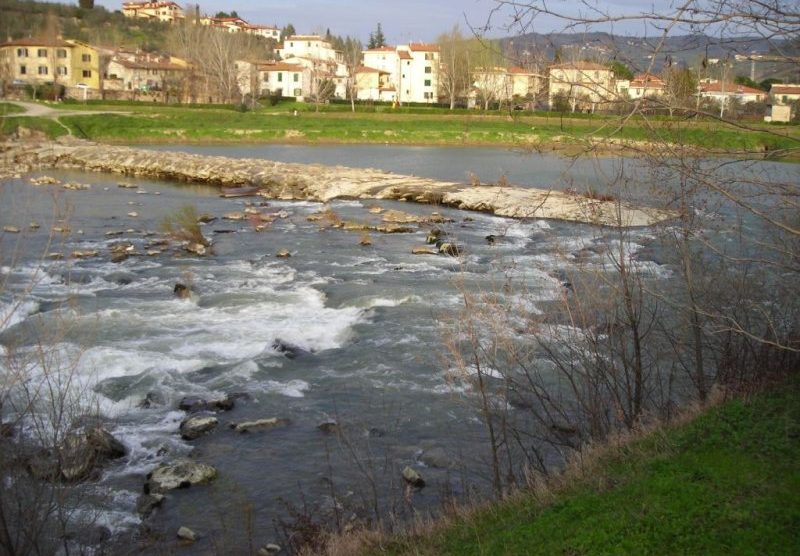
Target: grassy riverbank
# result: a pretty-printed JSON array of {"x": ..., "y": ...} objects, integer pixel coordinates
[
  {"x": 146, "y": 123},
  {"x": 725, "y": 483}
]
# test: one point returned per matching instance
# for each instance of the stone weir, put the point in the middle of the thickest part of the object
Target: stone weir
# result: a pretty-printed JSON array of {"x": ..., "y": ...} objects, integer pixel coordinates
[{"x": 316, "y": 182}]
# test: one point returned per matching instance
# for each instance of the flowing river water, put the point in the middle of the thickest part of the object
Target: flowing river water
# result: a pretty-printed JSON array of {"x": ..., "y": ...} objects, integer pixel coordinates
[{"x": 370, "y": 322}]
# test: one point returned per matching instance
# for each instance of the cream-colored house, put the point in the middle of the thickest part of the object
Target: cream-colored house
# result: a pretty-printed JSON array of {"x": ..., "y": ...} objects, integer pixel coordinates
[
  {"x": 374, "y": 84},
  {"x": 167, "y": 12},
  {"x": 503, "y": 85},
  {"x": 723, "y": 93},
  {"x": 270, "y": 78},
  {"x": 144, "y": 73},
  {"x": 239, "y": 25},
  {"x": 71, "y": 63},
  {"x": 317, "y": 55},
  {"x": 585, "y": 85},
  {"x": 412, "y": 72},
  {"x": 646, "y": 85},
  {"x": 783, "y": 99}
]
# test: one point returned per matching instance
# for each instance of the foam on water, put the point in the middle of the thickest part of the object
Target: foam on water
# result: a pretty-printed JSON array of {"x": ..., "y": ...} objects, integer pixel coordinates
[{"x": 14, "y": 312}]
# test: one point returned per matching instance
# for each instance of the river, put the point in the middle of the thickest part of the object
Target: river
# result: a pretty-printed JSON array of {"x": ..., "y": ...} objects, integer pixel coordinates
[{"x": 370, "y": 322}]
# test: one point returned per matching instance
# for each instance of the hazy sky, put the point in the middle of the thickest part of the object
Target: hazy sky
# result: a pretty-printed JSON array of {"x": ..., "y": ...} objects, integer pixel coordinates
[
  {"x": 402, "y": 20},
  {"x": 406, "y": 20}
]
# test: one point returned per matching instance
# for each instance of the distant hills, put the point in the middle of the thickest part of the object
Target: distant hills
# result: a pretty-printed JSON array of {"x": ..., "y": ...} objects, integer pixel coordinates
[{"x": 643, "y": 53}]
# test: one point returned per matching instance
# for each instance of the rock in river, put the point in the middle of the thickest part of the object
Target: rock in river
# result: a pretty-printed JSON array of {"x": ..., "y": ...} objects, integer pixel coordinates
[
  {"x": 197, "y": 425},
  {"x": 413, "y": 478},
  {"x": 178, "y": 474},
  {"x": 260, "y": 424}
]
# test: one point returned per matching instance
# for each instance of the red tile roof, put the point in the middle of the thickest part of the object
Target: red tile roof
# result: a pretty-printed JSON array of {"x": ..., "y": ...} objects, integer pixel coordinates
[
  {"x": 422, "y": 47},
  {"x": 39, "y": 42},
  {"x": 580, "y": 66},
  {"x": 777, "y": 89},
  {"x": 732, "y": 88}
]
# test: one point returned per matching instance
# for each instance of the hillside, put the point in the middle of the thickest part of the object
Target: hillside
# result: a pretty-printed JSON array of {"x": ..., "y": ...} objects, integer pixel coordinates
[
  {"x": 25, "y": 18},
  {"x": 726, "y": 483}
]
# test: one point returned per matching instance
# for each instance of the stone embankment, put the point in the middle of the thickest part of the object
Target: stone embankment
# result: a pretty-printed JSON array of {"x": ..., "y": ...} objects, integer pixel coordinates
[{"x": 324, "y": 183}]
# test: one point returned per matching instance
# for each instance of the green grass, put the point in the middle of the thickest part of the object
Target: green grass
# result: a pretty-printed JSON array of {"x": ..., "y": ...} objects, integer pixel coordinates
[
  {"x": 7, "y": 108},
  {"x": 47, "y": 125},
  {"x": 727, "y": 483},
  {"x": 156, "y": 123}
]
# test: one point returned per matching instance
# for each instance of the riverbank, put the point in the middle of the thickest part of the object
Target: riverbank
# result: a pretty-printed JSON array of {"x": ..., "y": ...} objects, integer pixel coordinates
[
  {"x": 297, "y": 182},
  {"x": 725, "y": 482},
  {"x": 158, "y": 124}
]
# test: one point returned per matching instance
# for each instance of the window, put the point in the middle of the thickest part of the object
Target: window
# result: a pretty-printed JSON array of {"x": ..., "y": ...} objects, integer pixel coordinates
[
  {"x": 61, "y": 70},
  {"x": 86, "y": 57},
  {"x": 61, "y": 53},
  {"x": 428, "y": 69},
  {"x": 296, "y": 77},
  {"x": 42, "y": 53},
  {"x": 427, "y": 82},
  {"x": 22, "y": 53},
  {"x": 298, "y": 92},
  {"x": 280, "y": 77},
  {"x": 23, "y": 70},
  {"x": 291, "y": 44},
  {"x": 87, "y": 73},
  {"x": 785, "y": 99},
  {"x": 43, "y": 70}
]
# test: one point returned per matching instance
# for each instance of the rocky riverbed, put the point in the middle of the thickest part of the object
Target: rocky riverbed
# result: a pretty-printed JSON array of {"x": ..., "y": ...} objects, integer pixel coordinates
[{"x": 311, "y": 182}]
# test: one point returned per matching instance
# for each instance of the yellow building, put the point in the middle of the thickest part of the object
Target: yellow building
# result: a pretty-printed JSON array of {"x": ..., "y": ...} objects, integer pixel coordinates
[
  {"x": 585, "y": 85},
  {"x": 70, "y": 63}
]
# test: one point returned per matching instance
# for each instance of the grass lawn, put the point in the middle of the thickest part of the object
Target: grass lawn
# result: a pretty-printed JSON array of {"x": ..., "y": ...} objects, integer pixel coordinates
[
  {"x": 155, "y": 123},
  {"x": 727, "y": 483},
  {"x": 8, "y": 108}
]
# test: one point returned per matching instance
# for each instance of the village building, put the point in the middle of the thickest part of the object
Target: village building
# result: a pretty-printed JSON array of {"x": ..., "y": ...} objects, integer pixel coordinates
[
  {"x": 646, "y": 85},
  {"x": 374, "y": 84},
  {"x": 265, "y": 78},
  {"x": 166, "y": 12},
  {"x": 325, "y": 63},
  {"x": 504, "y": 86},
  {"x": 410, "y": 74},
  {"x": 145, "y": 77},
  {"x": 584, "y": 85},
  {"x": 784, "y": 100},
  {"x": 725, "y": 93},
  {"x": 72, "y": 64}
]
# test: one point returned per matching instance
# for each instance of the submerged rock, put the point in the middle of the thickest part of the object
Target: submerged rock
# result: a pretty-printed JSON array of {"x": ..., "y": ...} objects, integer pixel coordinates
[
  {"x": 329, "y": 427},
  {"x": 182, "y": 291},
  {"x": 260, "y": 424},
  {"x": 186, "y": 534},
  {"x": 413, "y": 478},
  {"x": 146, "y": 504},
  {"x": 283, "y": 254},
  {"x": 290, "y": 351},
  {"x": 152, "y": 399},
  {"x": 437, "y": 458},
  {"x": 194, "y": 404},
  {"x": 178, "y": 474},
  {"x": 196, "y": 426}
]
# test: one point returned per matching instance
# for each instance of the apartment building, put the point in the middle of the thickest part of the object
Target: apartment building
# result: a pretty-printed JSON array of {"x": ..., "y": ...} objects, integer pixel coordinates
[
  {"x": 584, "y": 85},
  {"x": 264, "y": 78},
  {"x": 411, "y": 74},
  {"x": 71, "y": 63},
  {"x": 320, "y": 58}
]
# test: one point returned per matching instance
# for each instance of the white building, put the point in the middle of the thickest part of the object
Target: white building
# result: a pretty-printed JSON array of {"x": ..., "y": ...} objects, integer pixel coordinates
[
  {"x": 320, "y": 58},
  {"x": 239, "y": 25},
  {"x": 723, "y": 93},
  {"x": 412, "y": 70},
  {"x": 504, "y": 85},
  {"x": 270, "y": 78}
]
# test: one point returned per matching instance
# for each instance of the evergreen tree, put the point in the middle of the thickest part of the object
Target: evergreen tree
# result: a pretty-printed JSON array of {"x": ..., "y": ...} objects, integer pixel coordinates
[
  {"x": 288, "y": 31},
  {"x": 86, "y": 4},
  {"x": 380, "y": 40}
]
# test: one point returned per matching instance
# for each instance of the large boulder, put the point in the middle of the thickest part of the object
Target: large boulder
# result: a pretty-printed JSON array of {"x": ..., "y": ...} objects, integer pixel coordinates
[
  {"x": 83, "y": 452},
  {"x": 178, "y": 474},
  {"x": 195, "y": 426}
]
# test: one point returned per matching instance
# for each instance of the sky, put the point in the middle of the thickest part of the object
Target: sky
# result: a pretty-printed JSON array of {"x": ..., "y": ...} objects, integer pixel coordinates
[{"x": 402, "y": 20}]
